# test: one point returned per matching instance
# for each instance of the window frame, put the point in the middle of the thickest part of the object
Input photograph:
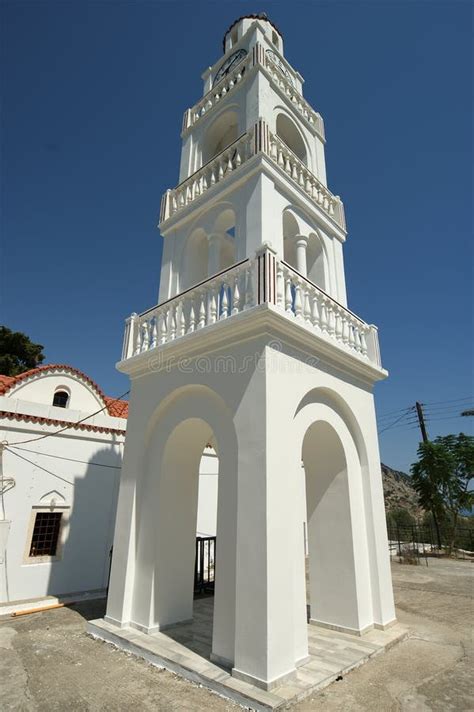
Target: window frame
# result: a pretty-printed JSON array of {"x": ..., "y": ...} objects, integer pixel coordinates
[
  {"x": 61, "y": 390},
  {"x": 63, "y": 525}
]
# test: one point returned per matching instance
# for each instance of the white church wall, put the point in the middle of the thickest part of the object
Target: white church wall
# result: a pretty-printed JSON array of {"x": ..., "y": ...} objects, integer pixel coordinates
[
  {"x": 60, "y": 474},
  {"x": 42, "y": 390}
]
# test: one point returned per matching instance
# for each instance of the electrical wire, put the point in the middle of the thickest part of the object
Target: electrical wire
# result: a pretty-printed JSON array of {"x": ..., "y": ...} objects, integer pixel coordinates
[
  {"x": 387, "y": 427},
  {"x": 444, "y": 408},
  {"x": 35, "y": 464},
  {"x": 394, "y": 412},
  {"x": 70, "y": 425},
  {"x": 455, "y": 400},
  {"x": 69, "y": 459}
]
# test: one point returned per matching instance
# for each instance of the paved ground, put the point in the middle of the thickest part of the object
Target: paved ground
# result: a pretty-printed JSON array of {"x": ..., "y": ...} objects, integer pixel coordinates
[{"x": 48, "y": 663}]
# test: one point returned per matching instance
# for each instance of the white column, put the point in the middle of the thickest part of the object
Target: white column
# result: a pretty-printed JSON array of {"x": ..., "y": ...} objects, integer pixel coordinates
[
  {"x": 301, "y": 245},
  {"x": 270, "y": 629}
]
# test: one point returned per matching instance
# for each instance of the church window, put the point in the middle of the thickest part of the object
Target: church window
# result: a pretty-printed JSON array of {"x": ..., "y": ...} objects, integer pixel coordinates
[
  {"x": 44, "y": 541},
  {"x": 61, "y": 399}
]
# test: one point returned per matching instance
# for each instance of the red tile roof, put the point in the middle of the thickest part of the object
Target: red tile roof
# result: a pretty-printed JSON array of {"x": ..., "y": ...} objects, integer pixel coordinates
[
  {"x": 115, "y": 408},
  {"x": 61, "y": 423}
]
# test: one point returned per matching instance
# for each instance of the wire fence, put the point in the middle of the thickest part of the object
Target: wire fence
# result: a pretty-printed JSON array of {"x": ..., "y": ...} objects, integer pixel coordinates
[{"x": 418, "y": 541}]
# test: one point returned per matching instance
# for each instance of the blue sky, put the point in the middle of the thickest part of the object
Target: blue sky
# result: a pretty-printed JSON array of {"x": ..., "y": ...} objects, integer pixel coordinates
[{"x": 93, "y": 95}]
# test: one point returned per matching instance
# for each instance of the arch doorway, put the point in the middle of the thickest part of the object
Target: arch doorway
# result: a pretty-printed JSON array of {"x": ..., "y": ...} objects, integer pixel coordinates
[
  {"x": 338, "y": 579},
  {"x": 166, "y": 517}
]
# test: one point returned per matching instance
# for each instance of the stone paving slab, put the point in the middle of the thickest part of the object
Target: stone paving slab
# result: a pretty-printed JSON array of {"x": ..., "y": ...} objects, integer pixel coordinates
[{"x": 185, "y": 650}]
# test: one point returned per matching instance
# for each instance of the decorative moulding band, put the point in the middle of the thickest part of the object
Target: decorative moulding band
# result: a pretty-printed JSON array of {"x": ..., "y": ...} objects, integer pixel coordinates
[{"x": 61, "y": 423}]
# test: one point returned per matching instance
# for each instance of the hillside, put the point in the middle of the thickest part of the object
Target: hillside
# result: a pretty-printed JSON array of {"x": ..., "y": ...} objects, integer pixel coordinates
[{"x": 398, "y": 492}]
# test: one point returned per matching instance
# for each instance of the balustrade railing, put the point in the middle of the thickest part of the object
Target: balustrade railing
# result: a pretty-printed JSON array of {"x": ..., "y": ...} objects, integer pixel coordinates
[
  {"x": 218, "y": 298},
  {"x": 301, "y": 105},
  {"x": 218, "y": 92},
  {"x": 296, "y": 169},
  {"x": 258, "y": 56},
  {"x": 300, "y": 298},
  {"x": 258, "y": 140},
  {"x": 218, "y": 168},
  {"x": 250, "y": 283}
]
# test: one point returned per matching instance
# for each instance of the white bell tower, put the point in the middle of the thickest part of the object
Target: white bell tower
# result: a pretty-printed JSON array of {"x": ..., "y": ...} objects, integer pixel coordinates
[{"x": 252, "y": 348}]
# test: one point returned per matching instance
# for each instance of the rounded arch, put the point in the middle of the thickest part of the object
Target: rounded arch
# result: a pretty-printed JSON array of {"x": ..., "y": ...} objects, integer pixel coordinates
[
  {"x": 223, "y": 131},
  {"x": 336, "y": 403},
  {"x": 288, "y": 131},
  {"x": 61, "y": 396},
  {"x": 317, "y": 261},
  {"x": 291, "y": 228},
  {"x": 177, "y": 432},
  {"x": 334, "y": 504},
  {"x": 224, "y": 235},
  {"x": 195, "y": 259}
]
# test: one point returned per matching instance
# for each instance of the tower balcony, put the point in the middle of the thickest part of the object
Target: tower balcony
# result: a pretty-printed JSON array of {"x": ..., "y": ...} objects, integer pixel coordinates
[
  {"x": 259, "y": 140},
  {"x": 256, "y": 59},
  {"x": 239, "y": 294}
]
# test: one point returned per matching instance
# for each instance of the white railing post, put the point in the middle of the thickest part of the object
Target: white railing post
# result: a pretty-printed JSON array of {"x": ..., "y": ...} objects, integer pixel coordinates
[{"x": 130, "y": 336}]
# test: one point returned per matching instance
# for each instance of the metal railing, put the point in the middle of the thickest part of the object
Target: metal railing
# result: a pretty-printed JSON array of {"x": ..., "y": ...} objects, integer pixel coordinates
[
  {"x": 412, "y": 542},
  {"x": 205, "y": 564}
]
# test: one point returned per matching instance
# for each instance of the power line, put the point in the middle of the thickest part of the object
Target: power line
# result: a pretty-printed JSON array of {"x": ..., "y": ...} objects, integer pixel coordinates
[
  {"x": 455, "y": 400},
  {"x": 70, "y": 425},
  {"x": 449, "y": 417},
  {"x": 387, "y": 427},
  {"x": 68, "y": 459},
  {"x": 443, "y": 408},
  {"x": 54, "y": 474},
  {"x": 394, "y": 412}
]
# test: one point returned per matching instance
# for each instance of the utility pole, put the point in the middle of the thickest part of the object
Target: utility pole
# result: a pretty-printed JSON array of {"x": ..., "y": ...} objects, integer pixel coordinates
[{"x": 421, "y": 420}]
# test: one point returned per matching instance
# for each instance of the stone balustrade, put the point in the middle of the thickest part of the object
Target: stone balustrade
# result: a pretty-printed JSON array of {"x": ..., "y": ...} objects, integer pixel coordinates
[
  {"x": 218, "y": 168},
  {"x": 258, "y": 140},
  {"x": 296, "y": 169},
  {"x": 218, "y": 92},
  {"x": 287, "y": 88},
  {"x": 247, "y": 285},
  {"x": 220, "y": 297},
  {"x": 300, "y": 299},
  {"x": 258, "y": 56}
]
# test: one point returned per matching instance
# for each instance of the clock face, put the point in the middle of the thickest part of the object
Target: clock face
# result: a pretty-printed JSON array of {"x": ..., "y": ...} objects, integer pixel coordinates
[
  {"x": 276, "y": 60},
  {"x": 229, "y": 63}
]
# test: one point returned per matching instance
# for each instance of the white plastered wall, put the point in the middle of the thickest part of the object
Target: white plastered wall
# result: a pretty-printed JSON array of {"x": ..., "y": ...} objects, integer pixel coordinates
[
  {"x": 63, "y": 472},
  {"x": 260, "y": 518}
]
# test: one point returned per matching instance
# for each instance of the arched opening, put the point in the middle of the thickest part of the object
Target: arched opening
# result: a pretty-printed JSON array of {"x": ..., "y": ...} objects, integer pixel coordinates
[
  {"x": 183, "y": 425},
  {"x": 219, "y": 135},
  {"x": 316, "y": 261},
  {"x": 175, "y": 464},
  {"x": 290, "y": 231},
  {"x": 224, "y": 229},
  {"x": 288, "y": 132},
  {"x": 336, "y": 554},
  {"x": 195, "y": 259},
  {"x": 61, "y": 398}
]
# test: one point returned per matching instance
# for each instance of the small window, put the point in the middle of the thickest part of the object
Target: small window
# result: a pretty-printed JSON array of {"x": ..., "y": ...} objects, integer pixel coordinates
[
  {"x": 61, "y": 399},
  {"x": 234, "y": 37},
  {"x": 44, "y": 541},
  {"x": 275, "y": 39}
]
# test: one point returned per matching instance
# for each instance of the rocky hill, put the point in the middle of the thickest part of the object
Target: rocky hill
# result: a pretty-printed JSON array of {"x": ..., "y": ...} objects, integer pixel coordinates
[{"x": 398, "y": 492}]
